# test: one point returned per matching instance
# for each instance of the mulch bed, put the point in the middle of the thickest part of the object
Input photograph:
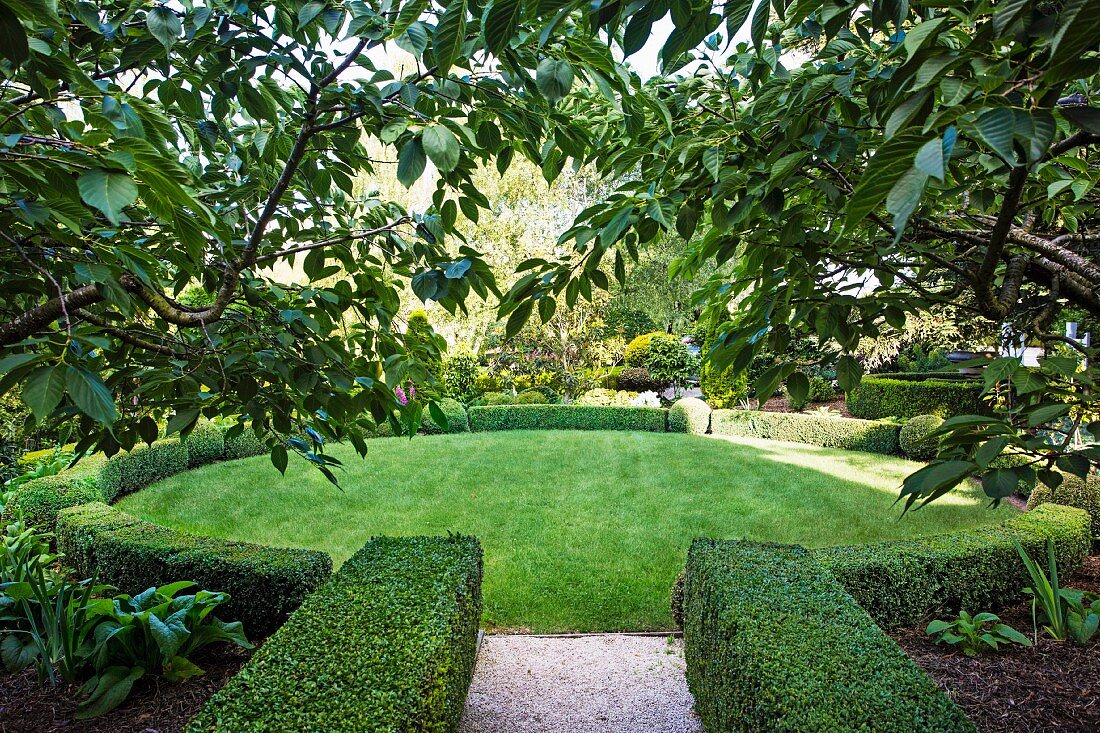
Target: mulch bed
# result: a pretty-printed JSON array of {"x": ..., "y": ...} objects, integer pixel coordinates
[
  {"x": 156, "y": 706},
  {"x": 1054, "y": 686}
]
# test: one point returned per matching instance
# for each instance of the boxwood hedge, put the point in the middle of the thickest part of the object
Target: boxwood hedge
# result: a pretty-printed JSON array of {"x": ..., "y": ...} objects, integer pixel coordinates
[
  {"x": 456, "y": 418},
  {"x": 387, "y": 644},
  {"x": 264, "y": 584},
  {"x": 972, "y": 570},
  {"x": 907, "y": 395},
  {"x": 1073, "y": 491},
  {"x": 566, "y": 417},
  {"x": 689, "y": 415},
  {"x": 830, "y": 432},
  {"x": 39, "y": 501},
  {"x": 127, "y": 472},
  {"x": 774, "y": 643}
]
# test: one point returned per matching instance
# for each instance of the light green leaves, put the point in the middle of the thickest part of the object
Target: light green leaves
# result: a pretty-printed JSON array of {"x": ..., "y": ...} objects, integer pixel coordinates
[
  {"x": 308, "y": 12},
  {"x": 411, "y": 162},
  {"x": 882, "y": 173},
  {"x": 108, "y": 191},
  {"x": 91, "y": 395},
  {"x": 165, "y": 25},
  {"x": 450, "y": 35},
  {"x": 442, "y": 147},
  {"x": 554, "y": 78}
]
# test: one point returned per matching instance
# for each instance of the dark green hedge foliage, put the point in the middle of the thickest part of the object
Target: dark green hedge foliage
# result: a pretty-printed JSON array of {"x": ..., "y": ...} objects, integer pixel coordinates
[
  {"x": 265, "y": 584},
  {"x": 205, "y": 444},
  {"x": 40, "y": 500},
  {"x": 899, "y": 583},
  {"x": 245, "y": 445},
  {"x": 689, "y": 415},
  {"x": 127, "y": 472},
  {"x": 456, "y": 418},
  {"x": 830, "y": 432},
  {"x": 904, "y": 396},
  {"x": 386, "y": 645},
  {"x": 774, "y": 643},
  {"x": 1075, "y": 492},
  {"x": 915, "y": 437},
  {"x": 566, "y": 417}
]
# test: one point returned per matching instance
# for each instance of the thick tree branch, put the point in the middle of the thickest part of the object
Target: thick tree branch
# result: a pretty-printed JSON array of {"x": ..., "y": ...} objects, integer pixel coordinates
[{"x": 32, "y": 321}]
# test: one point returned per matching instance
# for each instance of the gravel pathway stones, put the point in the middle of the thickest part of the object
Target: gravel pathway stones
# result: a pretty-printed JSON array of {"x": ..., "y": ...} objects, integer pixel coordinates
[{"x": 601, "y": 683}]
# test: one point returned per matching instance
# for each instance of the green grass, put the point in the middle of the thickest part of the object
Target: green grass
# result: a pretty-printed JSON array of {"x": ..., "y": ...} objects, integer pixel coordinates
[{"x": 583, "y": 531}]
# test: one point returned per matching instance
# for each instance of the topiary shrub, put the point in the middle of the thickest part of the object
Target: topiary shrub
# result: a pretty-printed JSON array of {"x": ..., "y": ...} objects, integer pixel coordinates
[
  {"x": 900, "y": 582},
  {"x": 419, "y": 336},
  {"x": 566, "y": 417},
  {"x": 905, "y": 396},
  {"x": 498, "y": 398},
  {"x": 773, "y": 643},
  {"x": 388, "y": 644},
  {"x": 264, "y": 583},
  {"x": 638, "y": 379},
  {"x": 40, "y": 500},
  {"x": 456, "y": 418},
  {"x": 830, "y": 432},
  {"x": 532, "y": 397},
  {"x": 914, "y": 437},
  {"x": 127, "y": 472},
  {"x": 1075, "y": 492},
  {"x": 244, "y": 444},
  {"x": 205, "y": 444},
  {"x": 637, "y": 351},
  {"x": 689, "y": 415}
]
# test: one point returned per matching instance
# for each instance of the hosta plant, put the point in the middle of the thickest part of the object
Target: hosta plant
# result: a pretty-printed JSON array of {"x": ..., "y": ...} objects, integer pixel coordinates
[{"x": 975, "y": 634}]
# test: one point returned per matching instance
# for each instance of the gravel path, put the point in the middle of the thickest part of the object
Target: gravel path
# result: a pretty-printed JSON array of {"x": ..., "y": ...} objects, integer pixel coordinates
[{"x": 606, "y": 683}]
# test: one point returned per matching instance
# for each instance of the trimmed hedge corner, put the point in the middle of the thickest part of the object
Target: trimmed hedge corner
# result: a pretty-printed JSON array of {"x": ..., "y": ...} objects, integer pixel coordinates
[
  {"x": 566, "y": 417},
  {"x": 907, "y": 395},
  {"x": 774, "y": 643},
  {"x": 127, "y": 472},
  {"x": 387, "y": 644},
  {"x": 264, "y": 584},
  {"x": 972, "y": 570},
  {"x": 689, "y": 415},
  {"x": 1074, "y": 492},
  {"x": 830, "y": 432}
]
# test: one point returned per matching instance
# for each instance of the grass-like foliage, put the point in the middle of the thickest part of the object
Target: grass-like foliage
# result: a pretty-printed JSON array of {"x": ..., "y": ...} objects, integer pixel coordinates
[
  {"x": 583, "y": 531},
  {"x": 773, "y": 642},
  {"x": 386, "y": 645}
]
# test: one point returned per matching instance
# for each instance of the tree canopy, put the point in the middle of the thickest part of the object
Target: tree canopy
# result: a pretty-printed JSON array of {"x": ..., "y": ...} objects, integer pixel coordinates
[{"x": 851, "y": 164}]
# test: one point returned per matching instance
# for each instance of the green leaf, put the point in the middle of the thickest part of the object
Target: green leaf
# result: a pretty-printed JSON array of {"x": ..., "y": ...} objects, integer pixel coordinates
[
  {"x": 108, "y": 191},
  {"x": 308, "y": 12},
  {"x": 554, "y": 78},
  {"x": 501, "y": 23},
  {"x": 848, "y": 372},
  {"x": 13, "y": 39},
  {"x": 760, "y": 25},
  {"x": 1085, "y": 118},
  {"x": 905, "y": 196},
  {"x": 920, "y": 34},
  {"x": 442, "y": 147},
  {"x": 165, "y": 26},
  {"x": 891, "y": 161},
  {"x": 518, "y": 318},
  {"x": 111, "y": 688},
  {"x": 712, "y": 161},
  {"x": 935, "y": 479},
  {"x": 409, "y": 14},
  {"x": 91, "y": 395},
  {"x": 279, "y": 457},
  {"x": 450, "y": 35},
  {"x": 997, "y": 127},
  {"x": 181, "y": 420},
  {"x": 411, "y": 162},
  {"x": 929, "y": 159},
  {"x": 798, "y": 387},
  {"x": 414, "y": 40},
  {"x": 1045, "y": 413},
  {"x": 44, "y": 389},
  {"x": 8, "y": 363}
]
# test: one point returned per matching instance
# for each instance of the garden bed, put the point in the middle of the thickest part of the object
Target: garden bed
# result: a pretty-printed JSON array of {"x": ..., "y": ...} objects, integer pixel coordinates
[
  {"x": 155, "y": 705},
  {"x": 1053, "y": 686}
]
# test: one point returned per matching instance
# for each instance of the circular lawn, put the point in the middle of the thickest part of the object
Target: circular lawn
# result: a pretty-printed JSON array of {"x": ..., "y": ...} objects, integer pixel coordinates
[{"x": 582, "y": 531}]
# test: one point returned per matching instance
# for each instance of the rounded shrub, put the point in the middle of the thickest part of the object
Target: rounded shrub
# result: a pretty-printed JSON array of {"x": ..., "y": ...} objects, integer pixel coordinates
[
  {"x": 689, "y": 415},
  {"x": 638, "y": 379},
  {"x": 637, "y": 351},
  {"x": 914, "y": 437},
  {"x": 456, "y": 418},
  {"x": 498, "y": 398},
  {"x": 532, "y": 397},
  {"x": 1073, "y": 491},
  {"x": 205, "y": 444}
]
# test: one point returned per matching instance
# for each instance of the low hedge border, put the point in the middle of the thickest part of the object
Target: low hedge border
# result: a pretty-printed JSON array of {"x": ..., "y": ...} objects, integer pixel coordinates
[
  {"x": 905, "y": 396},
  {"x": 830, "y": 432},
  {"x": 264, "y": 583},
  {"x": 773, "y": 642},
  {"x": 387, "y": 644},
  {"x": 899, "y": 583},
  {"x": 566, "y": 417}
]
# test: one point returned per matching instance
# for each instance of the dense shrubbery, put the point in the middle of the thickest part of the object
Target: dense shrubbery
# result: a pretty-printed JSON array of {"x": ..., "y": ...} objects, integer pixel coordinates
[
  {"x": 830, "y": 432},
  {"x": 244, "y": 444},
  {"x": 205, "y": 444},
  {"x": 899, "y": 582},
  {"x": 566, "y": 417},
  {"x": 1075, "y": 492},
  {"x": 455, "y": 414},
  {"x": 497, "y": 398},
  {"x": 125, "y": 473},
  {"x": 265, "y": 583},
  {"x": 773, "y": 642},
  {"x": 387, "y": 644},
  {"x": 722, "y": 388},
  {"x": 606, "y": 398},
  {"x": 914, "y": 437},
  {"x": 459, "y": 374},
  {"x": 821, "y": 390},
  {"x": 39, "y": 501},
  {"x": 689, "y": 415},
  {"x": 637, "y": 379},
  {"x": 532, "y": 397},
  {"x": 904, "y": 396}
]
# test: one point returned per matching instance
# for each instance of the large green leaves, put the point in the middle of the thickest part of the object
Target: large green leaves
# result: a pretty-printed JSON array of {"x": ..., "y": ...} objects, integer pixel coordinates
[
  {"x": 90, "y": 394},
  {"x": 450, "y": 35},
  {"x": 442, "y": 147},
  {"x": 554, "y": 79},
  {"x": 108, "y": 191},
  {"x": 885, "y": 168},
  {"x": 165, "y": 25}
]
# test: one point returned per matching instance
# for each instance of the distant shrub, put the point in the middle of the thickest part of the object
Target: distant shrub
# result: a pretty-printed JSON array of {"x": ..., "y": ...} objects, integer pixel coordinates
[
  {"x": 628, "y": 323},
  {"x": 831, "y": 432},
  {"x": 638, "y": 379},
  {"x": 498, "y": 398},
  {"x": 459, "y": 374},
  {"x": 205, "y": 444},
  {"x": 420, "y": 336},
  {"x": 689, "y": 415},
  {"x": 243, "y": 445},
  {"x": 611, "y": 379},
  {"x": 914, "y": 437},
  {"x": 1074, "y": 492},
  {"x": 532, "y": 397},
  {"x": 905, "y": 396},
  {"x": 606, "y": 398},
  {"x": 486, "y": 381},
  {"x": 455, "y": 414},
  {"x": 669, "y": 361},
  {"x": 637, "y": 351},
  {"x": 821, "y": 390},
  {"x": 40, "y": 500}
]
